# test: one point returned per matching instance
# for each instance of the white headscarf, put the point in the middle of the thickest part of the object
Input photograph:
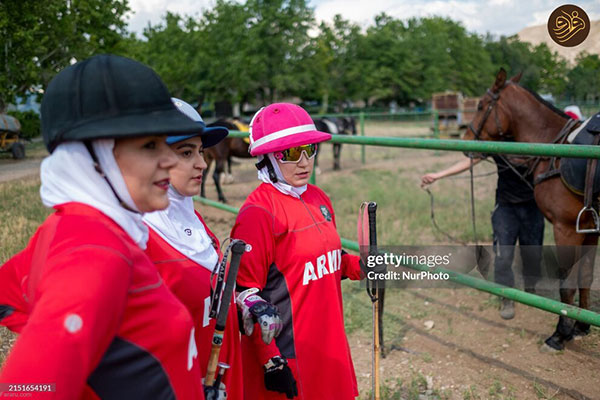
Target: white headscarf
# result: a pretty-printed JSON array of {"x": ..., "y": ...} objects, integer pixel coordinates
[
  {"x": 68, "y": 174},
  {"x": 281, "y": 184},
  {"x": 179, "y": 226}
]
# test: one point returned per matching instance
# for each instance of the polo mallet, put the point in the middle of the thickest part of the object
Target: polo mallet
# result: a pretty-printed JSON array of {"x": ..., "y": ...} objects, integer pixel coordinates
[
  {"x": 237, "y": 250},
  {"x": 367, "y": 239}
]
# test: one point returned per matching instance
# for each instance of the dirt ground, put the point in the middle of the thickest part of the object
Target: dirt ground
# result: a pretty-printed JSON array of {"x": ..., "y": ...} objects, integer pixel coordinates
[
  {"x": 18, "y": 169},
  {"x": 469, "y": 352}
]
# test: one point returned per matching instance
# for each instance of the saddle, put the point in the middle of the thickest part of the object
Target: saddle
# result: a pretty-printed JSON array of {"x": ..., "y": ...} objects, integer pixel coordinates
[{"x": 582, "y": 176}]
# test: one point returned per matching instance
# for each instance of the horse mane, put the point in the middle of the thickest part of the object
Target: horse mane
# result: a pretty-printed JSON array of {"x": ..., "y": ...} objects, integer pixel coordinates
[{"x": 546, "y": 103}]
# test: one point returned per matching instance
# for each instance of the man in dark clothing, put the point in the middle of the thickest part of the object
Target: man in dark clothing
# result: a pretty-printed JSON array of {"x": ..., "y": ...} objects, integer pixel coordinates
[{"x": 515, "y": 216}]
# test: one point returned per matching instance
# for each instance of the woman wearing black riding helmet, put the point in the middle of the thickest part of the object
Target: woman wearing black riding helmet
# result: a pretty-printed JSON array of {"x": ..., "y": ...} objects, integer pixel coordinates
[{"x": 90, "y": 306}]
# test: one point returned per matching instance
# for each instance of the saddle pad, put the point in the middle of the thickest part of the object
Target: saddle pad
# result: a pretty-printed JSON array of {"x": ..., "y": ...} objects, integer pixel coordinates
[
  {"x": 574, "y": 134},
  {"x": 572, "y": 170}
]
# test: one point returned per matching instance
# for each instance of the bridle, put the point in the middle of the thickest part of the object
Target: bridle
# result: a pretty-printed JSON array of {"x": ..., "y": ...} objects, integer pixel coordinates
[{"x": 495, "y": 96}]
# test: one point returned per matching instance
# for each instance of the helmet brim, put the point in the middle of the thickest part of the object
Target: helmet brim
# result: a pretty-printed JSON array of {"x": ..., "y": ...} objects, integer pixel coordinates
[
  {"x": 168, "y": 121},
  {"x": 210, "y": 136}
]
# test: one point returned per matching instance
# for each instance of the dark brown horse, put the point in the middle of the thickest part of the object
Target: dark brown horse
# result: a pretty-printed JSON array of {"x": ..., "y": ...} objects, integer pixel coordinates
[
  {"x": 510, "y": 112},
  {"x": 221, "y": 153}
]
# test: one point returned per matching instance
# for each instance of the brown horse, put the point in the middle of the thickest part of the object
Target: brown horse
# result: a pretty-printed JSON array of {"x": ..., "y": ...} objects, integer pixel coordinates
[
  {"x": 507, "y": 111},
  {"x": 221, "y": 153}
]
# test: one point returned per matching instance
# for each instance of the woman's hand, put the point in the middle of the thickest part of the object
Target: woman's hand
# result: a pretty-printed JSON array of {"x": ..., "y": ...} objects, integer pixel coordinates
[
  {"x": 256, "y": 309},
  {"x": 279, "y": 377}
]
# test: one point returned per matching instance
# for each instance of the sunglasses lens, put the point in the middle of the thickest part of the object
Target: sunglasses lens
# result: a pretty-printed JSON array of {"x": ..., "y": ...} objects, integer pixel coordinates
[{"x": 295, "y": 153}]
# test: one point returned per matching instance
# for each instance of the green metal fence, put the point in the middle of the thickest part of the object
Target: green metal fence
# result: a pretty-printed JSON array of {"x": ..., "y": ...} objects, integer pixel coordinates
[{"x": 474, "y": 146}]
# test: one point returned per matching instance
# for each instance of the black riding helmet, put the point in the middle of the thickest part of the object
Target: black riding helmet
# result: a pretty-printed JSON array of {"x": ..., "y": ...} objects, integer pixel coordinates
[{"x": 108, "y": 96}]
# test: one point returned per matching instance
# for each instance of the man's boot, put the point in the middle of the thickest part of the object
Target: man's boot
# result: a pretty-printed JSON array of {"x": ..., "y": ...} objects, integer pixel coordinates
[{"x": 507, "y": 309}]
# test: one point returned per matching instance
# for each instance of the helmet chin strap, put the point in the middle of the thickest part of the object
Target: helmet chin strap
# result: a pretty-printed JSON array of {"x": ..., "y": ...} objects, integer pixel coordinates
[
  {"x": 266, "y": 162},
  {"x": 98, "y": 168}
]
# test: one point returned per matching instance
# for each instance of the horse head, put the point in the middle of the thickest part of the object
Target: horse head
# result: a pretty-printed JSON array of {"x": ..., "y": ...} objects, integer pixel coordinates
[{"x": 493, "y": 118}]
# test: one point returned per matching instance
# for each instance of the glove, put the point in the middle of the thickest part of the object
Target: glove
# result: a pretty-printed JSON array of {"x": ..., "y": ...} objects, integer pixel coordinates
[
  {"x": 256, "y": 309},
  {"x": 279, "y": 377},
  {"x": 212, "y": 393},
  {"x": 373, "y": 266}
]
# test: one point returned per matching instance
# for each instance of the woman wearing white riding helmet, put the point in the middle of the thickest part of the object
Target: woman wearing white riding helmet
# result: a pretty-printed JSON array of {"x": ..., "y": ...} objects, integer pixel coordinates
[
  {"x": 90, "y": 306},
  {"x": 289, "y": 280},
  {"x": 186, "y": 252}
]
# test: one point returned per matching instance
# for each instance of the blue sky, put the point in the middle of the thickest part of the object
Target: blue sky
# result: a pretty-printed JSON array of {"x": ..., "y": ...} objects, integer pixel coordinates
[{"x": 500, "y": 17}]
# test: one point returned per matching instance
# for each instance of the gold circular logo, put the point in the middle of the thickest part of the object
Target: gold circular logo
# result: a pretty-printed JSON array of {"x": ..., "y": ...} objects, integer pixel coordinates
[{"x": 568, "y": 25}]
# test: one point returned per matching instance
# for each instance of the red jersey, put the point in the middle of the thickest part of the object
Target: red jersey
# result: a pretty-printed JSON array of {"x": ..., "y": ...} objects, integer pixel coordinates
[
  {"x": 97, "y": 314},
  {"x": 296, "y": 261},
  {"x": 190, "y": 282}
]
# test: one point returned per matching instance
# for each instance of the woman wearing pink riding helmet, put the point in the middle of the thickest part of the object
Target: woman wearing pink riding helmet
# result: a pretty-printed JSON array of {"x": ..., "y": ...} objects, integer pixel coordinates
[{"x": 289, "y": 278}]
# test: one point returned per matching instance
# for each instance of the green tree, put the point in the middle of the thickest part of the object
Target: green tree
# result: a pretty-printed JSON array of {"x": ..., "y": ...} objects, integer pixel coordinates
[
  {"x": 391, "y": 70},
  {"x": 451, "y": 58},
  {"x": 39, "y": 38},
  {"x": 172, "y": 50},
  {"x": 329, "y": 70},
  {"x": 277, "y": 32},
  {"x": 584, "y": 78},
  {"x": 225, "y": 45},
  {"x": 543, "y": 70}
]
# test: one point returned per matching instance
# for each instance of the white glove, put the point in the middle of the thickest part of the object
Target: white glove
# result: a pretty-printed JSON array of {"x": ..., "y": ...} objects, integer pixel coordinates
[{"x": 256, "y": 309}]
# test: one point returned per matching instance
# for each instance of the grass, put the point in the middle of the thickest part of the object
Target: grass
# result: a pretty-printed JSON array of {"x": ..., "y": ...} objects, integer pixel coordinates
[
  {"x": 542, "y": 392},
  {"x": 403, "y": 210},
  {"x": 414, "y": 389},
  {"x": 21, "y": 212}
]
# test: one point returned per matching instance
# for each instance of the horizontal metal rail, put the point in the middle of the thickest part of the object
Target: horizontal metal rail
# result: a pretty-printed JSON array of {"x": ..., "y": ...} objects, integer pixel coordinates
[
  {"x": 553, "y": 306},
  {"x": 472, "y": 146}
]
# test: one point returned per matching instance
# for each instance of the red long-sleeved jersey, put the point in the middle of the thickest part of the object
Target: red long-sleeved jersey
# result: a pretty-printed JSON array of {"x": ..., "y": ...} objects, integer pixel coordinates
[
  {"x": 95, "y": 318},
  {"x": 190, "y": 282},
  {"x": 296, "y": 261}
]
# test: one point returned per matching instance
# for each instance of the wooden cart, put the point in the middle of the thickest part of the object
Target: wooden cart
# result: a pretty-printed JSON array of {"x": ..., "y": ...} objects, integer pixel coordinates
[{"x": 10, "y": 139}]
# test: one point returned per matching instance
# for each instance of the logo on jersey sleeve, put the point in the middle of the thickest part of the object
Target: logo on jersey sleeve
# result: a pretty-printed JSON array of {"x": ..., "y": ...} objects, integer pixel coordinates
[
  {"x": 192, "y": 351},
  {"x": 325, "y": 212},
  {"x": 325, "y": 264}
]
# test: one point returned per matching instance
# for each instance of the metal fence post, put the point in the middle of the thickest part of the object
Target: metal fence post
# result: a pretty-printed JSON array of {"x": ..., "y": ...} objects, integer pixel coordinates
[
  {"x": 363, "y": 154},
  {"x": 436, "y": 124}
]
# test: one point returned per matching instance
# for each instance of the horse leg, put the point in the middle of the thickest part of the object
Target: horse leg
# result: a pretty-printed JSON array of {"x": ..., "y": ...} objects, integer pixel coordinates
[
  {"x": 585, "y": 278},
  {"x": 208, "y": 159},
  {"x": 219, "y": 168},
  {"x": 569, "y": 253},
  {"x": 228, "y": 175},
  {"x": 317, "y": 169},
  {"x": 337, "y": 149}
]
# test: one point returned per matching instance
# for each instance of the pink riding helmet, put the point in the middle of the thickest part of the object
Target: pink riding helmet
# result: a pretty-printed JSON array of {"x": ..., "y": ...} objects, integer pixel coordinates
[{"x": 281, "y": 126}]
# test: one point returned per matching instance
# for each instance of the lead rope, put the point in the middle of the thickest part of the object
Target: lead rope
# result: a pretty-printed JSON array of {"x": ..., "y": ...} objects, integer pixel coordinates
[
  {"x": 436, "y": 226},
  {"x": 473, "y": 203}
]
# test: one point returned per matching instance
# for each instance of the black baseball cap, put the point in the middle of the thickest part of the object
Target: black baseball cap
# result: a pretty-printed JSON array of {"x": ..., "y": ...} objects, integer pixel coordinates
[{"x": 108, "y": 96}]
